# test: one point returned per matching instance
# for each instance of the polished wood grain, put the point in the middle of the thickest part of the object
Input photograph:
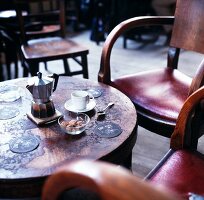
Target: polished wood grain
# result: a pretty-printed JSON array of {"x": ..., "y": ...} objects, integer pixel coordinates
[
  {"x": 189, "y": 122},
  {"x": 22, "y": 175},
  {"x": 106, "y": 180},
  {"x": 188, "y": 26}
]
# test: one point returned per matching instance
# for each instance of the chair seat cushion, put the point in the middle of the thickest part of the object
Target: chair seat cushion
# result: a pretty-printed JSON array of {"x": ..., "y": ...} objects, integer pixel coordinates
[
  {"x": 183, "y": 172},
  {"x": 157, "y": 93}
]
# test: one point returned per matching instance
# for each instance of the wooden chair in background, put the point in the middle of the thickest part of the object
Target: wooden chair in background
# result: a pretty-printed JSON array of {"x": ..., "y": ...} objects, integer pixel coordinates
[
  {"x": 181, "y": 171},
  {"x": 9, "y": 50},
  {"x": 159, "y": 94},
  {"x": 47, "y": 48}
]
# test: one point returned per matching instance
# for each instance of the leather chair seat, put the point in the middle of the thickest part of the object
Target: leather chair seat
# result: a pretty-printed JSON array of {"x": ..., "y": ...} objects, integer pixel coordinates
[
  {"x": 158, "y": 93},
  {"x": 182, "y": 172}
]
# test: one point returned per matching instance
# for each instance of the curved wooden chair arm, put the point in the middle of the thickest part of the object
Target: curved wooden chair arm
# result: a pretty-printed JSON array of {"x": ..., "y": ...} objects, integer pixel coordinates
[
  {"x": 180, "y": 131},
  {"x": 198, "y": 79},
  {"x": 107, "y": 180},
  {"x": 104, "y": 72}
]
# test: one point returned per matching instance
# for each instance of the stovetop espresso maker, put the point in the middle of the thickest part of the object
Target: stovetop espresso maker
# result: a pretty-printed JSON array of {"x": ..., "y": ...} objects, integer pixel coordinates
[{"x": 41, "y": 89}]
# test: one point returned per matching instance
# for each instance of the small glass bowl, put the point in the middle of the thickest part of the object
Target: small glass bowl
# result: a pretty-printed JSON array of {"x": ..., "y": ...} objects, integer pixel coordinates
[{"x": 73, "y": 123}]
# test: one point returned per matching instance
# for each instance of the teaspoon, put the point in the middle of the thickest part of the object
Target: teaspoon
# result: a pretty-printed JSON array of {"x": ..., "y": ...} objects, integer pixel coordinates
[{"x": 103, "y": 112}]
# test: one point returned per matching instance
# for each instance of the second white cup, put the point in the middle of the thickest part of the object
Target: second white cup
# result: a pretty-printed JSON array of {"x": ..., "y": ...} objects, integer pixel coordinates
[{"x": 80, "y": 99}]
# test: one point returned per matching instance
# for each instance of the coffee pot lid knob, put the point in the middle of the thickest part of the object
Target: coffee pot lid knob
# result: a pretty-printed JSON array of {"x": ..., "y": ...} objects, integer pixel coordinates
[
  {"x": 40, "y": 81},
  {"x": 39, "y": 75}
]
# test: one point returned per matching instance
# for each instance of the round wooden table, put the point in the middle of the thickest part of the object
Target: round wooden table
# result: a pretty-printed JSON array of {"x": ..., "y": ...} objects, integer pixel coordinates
[{"x": 23, "y": 174}]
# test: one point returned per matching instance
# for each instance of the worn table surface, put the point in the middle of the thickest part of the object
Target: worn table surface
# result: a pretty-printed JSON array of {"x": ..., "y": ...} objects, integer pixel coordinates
[{"x": 22, "y": 174}]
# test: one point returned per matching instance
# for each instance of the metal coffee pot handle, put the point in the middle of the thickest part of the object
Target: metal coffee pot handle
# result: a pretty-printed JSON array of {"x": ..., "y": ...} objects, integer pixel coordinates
[{"x": 55, "y": 77}]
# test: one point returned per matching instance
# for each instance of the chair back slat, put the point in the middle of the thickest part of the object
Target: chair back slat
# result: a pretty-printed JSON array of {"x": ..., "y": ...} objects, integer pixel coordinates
[
  {"x": 188, "y": 29},
  {"x": 40, "y": 12}
]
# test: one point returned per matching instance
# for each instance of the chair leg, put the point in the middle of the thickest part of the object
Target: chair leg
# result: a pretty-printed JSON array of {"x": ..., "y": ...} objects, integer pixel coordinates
[
  {"x": 1, "y": 71},
  {"x": 8, "y": 69},
  {"x": 25, "y": 69},
  {"x": 25, "y": 72},
  {"x": 124, "y": 42},
  {"x": 66, "y": 67},
  {"x": 8, "y": 65},
  {"x": 45, "y": 63},
  {"x": 33, "y": 68},
  {"x": 84, "y": 64},
  {"x": 128, "y": 162},
  {"x": 16, "y": 69}
]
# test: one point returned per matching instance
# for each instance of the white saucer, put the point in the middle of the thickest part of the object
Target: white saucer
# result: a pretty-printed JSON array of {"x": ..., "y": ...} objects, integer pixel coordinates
[{"x": 91, "y": 105}]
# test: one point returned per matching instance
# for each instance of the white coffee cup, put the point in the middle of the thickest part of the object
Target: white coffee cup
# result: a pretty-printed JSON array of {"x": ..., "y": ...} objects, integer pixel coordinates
[{"x": 80, "y": 99}]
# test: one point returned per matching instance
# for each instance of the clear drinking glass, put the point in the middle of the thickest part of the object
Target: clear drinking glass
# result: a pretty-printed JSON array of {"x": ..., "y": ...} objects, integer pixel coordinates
[{"x": 8, "y": 95}]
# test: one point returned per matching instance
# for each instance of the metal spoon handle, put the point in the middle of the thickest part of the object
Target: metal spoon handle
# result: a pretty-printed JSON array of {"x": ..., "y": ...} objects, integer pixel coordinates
[{"x": 108, "y": 106}]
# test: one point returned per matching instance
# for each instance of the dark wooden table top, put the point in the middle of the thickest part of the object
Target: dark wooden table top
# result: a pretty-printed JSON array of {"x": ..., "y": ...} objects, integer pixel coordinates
[{"x": 23, "y": 174}]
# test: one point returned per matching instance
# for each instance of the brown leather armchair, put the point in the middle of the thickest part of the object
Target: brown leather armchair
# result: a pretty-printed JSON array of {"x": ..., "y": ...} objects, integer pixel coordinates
[
  {"x": 182, "y": 168},
  {"x": 177, "y": 176},
  {"x": 159, "y": 94}
]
